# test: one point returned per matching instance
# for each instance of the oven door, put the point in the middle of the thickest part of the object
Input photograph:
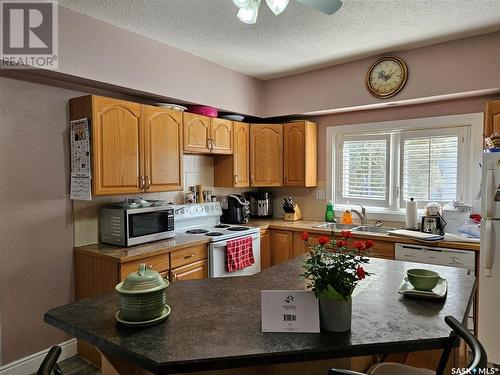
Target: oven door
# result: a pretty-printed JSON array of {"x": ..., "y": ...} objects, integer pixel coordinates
[
  {"x": 149, "y": 224},
  {"x": 217, "y": 259}
]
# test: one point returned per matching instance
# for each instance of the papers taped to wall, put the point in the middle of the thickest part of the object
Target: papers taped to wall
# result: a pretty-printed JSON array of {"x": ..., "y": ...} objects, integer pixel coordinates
[{"x": 81, "y": 173}]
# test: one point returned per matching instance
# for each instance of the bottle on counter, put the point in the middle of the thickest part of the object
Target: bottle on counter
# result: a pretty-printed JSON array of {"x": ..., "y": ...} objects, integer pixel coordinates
[
  {"x": 330, "y": 213},
  {"x": 347, "y": 217}
]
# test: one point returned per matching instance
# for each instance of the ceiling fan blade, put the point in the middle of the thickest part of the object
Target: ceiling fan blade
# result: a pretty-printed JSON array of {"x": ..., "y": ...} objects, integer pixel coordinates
[{"x": 326, "y": 6}]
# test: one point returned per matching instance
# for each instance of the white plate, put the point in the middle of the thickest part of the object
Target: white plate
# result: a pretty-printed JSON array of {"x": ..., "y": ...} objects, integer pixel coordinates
[
  {"x": 177, "y": 107},
  {"x": 438, "y": 292},
  {"x": 164, "y": 315},
  {"x": 233, "y": 117}
]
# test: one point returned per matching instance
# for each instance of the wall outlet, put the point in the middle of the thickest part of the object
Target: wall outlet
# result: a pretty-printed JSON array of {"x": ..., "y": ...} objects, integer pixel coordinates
[{"x": 321, "y": 195}]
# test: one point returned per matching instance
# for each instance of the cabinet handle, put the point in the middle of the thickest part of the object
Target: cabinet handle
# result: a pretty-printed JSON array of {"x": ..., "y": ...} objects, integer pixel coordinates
[
  {"x": 175, "y": 277},
  {"x": 148, "y": 182},
  {"x": 149, "y": 266},
  {"x": 141, "y": 182},
  {"x": 189, "y": 256},
  {"x": 211, "y": 143},
  {"x": 235, "y": 178}
]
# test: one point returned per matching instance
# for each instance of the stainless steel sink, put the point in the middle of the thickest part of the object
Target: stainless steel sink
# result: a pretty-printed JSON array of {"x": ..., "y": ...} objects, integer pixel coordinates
[
  {"x": 335, "y": 226},
  {"x": 372, "y": 229}
]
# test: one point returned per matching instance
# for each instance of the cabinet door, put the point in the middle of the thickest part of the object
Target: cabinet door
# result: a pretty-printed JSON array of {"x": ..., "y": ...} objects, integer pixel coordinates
[
  {"x": 193, "y": 271},
  {"x": 492, "y": 118},
  {"x": 265, "y": 254},
  {"x": 281, "y": 245},
  {"x": 294, "y": 154},
  {"x": 266, "y": 163},
  {"x": 162, "y": 129},
  {"x": 117, "y": 153},
  {"x": 221, "y": 135},
  {"x": 196, "y": 133},
  {"x": 241, "y": 156}
]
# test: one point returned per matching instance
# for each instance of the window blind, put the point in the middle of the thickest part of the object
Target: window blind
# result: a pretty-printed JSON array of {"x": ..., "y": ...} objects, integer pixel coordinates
[
  {"x": 429, "y": 168},
  {"x": 364, "y": 169}
]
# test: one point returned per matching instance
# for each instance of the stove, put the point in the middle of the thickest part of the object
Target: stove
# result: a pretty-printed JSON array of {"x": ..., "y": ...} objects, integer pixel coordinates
[{"x": 203, "y": 219}]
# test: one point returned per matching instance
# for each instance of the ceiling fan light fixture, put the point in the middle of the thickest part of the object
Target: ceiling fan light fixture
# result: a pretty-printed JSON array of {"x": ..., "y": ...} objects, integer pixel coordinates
[
  {"x": 277, "y": 6},
  {"x": 249, "y": 13},
  {"x": 242, "y": 3}
]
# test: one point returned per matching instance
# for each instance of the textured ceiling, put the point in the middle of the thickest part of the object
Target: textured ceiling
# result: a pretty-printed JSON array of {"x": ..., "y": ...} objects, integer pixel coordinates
[{"x": 300, "y": 39}]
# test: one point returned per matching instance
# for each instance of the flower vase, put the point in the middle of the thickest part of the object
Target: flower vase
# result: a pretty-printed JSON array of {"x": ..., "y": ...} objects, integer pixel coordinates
[{"x": 335, "y": 315}]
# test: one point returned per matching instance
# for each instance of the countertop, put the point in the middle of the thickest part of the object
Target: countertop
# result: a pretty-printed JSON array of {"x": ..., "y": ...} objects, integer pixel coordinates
[
  {"x": 216, "y": 323},
  {"x": 126, "y": 254},
  {"x": 311, "y": 226}
]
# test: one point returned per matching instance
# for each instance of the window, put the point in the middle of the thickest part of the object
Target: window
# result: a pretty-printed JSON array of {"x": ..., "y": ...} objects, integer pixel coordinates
[
  {"x": 384, "y": 166},
  {"x": 365, "y": 163}
]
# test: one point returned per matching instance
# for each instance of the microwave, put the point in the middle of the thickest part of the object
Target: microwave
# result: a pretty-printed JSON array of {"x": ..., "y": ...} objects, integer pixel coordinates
[{"x": 134, "y": 226}]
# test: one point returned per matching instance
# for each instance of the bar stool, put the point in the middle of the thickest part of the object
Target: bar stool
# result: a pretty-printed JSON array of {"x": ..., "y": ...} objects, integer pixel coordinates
[{"x": 49, "y": 365}]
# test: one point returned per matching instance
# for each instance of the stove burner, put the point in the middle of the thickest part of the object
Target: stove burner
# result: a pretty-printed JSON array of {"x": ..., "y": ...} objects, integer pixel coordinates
[
  {"x": 213, "y": 234},
  {"x": 238, "y": 229},
  {"x": 222, "y": 226},
  {"x": 197, "y": 231}
]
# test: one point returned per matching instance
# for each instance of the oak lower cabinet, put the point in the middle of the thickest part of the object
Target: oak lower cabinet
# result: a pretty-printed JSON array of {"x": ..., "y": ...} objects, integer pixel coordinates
[
  {"x": 234, "y": 170},
  {"x": 300, "y": 154},
  {"x": 206, "y": 135},
  {"x": 266, "y": 155},
  {"x": 492, "y": 118},
  {"x": 265, "y": 251},
  {"x": 281, "y": 245},
  {"x": 96, "y": 274},
  {"x": 135, "y": 148}
]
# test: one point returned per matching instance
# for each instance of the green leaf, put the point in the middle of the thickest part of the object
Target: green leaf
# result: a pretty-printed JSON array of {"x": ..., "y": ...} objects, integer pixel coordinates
[{"x": 330, "y": 294}]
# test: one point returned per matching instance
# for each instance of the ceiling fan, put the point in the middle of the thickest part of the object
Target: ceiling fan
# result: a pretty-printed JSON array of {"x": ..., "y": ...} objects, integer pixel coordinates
[{"x": 249, "y": 9}]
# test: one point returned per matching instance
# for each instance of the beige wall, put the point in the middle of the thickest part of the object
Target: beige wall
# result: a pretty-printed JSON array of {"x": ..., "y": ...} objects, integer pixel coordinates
[
  {"x": 451, "y": 68},
  {"x": 36, "y": 228}
]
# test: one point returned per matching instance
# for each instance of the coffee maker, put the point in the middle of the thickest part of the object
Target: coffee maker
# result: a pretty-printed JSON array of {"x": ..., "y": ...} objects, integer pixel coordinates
[{"x": 235, "y": 209}]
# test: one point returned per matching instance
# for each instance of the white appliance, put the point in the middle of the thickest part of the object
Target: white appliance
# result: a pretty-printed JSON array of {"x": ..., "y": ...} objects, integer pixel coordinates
[
  {"x": 455, "y": 214},
  {"x": 489, "y": 266},
  {"x": 442, "y": 257},
  {"x": 203, "y": 219}
]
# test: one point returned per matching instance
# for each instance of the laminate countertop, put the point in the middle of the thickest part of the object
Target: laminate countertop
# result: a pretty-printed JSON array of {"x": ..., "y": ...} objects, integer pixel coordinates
[
  {"x": 311, "y": 226},
  {"x": 125, "y": 254},
  {"x": 216, "y": 323}
]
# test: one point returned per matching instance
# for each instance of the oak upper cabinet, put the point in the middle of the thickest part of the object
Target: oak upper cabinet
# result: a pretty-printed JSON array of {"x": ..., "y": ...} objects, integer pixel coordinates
[
  {"x": 300, "y": 154},
  {"x": 221, "y": 136},
  {"x": 196, "y": 133},
  {"x": 162, "y": 131},
  {"x": 281, "y": 245},
  {"x": 234, "y": 170},
  {"x": 135, "y": 148},
  {"x": 205, "y": 135},
  {"x": 117, "y": 153},
  {"x": 266, "y": 155},
  {"x": 492, "y": 118}
]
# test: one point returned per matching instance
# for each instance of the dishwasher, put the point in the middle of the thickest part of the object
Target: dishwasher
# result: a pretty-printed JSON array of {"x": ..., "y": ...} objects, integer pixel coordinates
[{"x": 440, "y": 256}]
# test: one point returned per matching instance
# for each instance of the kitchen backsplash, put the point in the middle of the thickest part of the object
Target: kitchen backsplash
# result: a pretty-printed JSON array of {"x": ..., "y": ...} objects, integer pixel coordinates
[{"x": 198, "y": 170}]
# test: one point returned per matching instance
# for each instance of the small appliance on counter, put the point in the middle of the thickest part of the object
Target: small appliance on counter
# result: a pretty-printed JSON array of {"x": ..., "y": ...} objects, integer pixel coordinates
[
  {"x": 432, "y": 221},
  {"x": 261, "y": 204},
  {"x": 235, "y": 209},
  {"x": 122, "y": 226}
]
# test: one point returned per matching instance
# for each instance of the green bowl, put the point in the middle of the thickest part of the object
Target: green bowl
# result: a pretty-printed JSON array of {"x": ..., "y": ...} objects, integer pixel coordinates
[{"x": 422, "y": 279}]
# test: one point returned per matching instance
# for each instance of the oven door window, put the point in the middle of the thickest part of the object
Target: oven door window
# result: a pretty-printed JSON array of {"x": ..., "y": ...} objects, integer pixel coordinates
[{"x": 143, "y": 224}]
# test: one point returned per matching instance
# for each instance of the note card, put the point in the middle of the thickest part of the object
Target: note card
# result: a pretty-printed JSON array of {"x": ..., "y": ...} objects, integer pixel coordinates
[{"x": 289, "y": 311}]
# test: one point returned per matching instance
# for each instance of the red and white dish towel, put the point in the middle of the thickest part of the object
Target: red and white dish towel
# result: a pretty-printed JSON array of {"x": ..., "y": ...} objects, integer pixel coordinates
[{"x": 239, "y": 254}]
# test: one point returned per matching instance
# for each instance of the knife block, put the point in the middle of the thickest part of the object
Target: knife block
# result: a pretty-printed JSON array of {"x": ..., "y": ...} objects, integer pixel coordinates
[{"x": 297, "y": 215}]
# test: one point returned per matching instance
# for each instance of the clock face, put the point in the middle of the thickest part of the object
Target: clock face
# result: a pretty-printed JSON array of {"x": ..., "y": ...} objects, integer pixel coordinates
[{"x": 386, "y": 77}]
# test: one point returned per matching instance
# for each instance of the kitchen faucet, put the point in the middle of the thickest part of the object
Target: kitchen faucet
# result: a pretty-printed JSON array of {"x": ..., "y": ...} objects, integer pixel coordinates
[{"x": 361, "y": 215}]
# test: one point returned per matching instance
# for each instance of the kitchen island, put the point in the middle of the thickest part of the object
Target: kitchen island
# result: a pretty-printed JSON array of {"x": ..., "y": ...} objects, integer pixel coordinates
[{"x": 216, "y": 323}]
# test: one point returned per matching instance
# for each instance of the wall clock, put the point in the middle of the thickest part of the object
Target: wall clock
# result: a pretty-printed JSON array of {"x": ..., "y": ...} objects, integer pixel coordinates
[{"x": 386, "y": 76}]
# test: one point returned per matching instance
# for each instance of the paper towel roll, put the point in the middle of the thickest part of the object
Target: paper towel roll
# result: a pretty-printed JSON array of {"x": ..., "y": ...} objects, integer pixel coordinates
[{"x": 411, "y": 214}]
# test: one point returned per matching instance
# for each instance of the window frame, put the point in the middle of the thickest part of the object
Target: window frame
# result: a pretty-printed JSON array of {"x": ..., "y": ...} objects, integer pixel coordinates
[
  {"x": 340, "y": 149},
  {"x": 472, "y": 124},
  {"x": 463, "y": 139}
]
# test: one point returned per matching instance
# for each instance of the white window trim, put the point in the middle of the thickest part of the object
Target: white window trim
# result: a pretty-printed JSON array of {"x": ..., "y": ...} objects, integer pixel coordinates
[{"x": 473, "y": 122}]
